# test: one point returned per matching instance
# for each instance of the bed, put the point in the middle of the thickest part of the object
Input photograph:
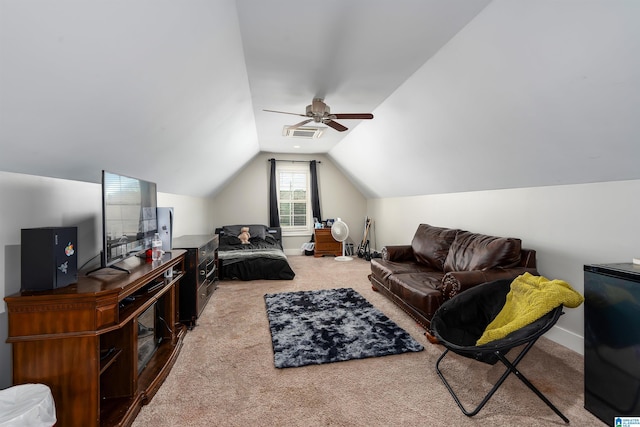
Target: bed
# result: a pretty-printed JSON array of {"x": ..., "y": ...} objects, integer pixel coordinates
[{"x": 262, "y": 258}]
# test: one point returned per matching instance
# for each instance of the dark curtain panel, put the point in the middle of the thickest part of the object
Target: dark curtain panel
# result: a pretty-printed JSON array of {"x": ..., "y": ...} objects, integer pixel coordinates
[
  {"x": 274, "y": 217},
  {"x": 315, "y": 197}
]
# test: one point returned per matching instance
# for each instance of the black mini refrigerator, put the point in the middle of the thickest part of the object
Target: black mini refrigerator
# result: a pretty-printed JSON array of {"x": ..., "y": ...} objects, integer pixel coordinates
[
  {"x": 49, "y": 258},
  {"x": 612, "y": 340}
]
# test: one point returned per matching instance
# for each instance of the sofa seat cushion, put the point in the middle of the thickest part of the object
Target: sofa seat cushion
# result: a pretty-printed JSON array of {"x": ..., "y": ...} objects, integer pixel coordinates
[
  {"x": 473, "y": 251},
  {"x": 381, "y": 269},
  {"x": 431, "y": 244},
  {"x": 422, "y": 291}
]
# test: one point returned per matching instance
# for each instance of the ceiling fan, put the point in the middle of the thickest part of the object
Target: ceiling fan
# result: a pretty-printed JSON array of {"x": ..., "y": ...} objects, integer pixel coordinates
[{"x": 320, "y": 112}]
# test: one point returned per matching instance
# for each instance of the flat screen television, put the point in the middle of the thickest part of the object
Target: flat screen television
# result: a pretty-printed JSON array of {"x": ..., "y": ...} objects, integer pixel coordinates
[{"x": 129, "y": 219}]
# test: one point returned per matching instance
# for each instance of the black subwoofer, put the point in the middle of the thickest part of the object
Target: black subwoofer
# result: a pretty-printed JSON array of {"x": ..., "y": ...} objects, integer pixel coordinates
[{"x": 49, "y": 258}]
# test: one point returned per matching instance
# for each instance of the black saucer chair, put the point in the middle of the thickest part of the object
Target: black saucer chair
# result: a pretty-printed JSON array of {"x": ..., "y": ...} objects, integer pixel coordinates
[{"x": 460, "y": 321}]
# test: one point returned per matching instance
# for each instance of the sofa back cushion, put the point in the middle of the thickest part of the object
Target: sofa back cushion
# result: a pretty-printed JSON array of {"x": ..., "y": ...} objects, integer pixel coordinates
[
  {"x": 472, "y": 251},
  {"x": 431, "y": 245}
]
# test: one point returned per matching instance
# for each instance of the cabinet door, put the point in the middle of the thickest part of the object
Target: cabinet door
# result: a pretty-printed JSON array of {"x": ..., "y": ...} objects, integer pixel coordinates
[
  {"x": 121, "y": 370},
  {"x": 73, "y": 363},
  {"x": 188, "y": 300}
]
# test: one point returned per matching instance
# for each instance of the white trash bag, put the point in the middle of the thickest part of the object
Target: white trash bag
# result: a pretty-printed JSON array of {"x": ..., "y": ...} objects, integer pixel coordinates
[
  {"x": 307, "y": 247},
  {"x": 27, "y": 405}
]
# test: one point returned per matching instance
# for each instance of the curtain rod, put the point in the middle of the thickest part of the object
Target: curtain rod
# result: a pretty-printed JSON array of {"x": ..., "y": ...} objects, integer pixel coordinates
[{"x": 295, "y": 161}]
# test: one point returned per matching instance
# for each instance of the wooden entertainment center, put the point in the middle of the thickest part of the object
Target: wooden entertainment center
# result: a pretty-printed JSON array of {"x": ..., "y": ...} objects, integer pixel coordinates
[{"x": 105, "y": 344}]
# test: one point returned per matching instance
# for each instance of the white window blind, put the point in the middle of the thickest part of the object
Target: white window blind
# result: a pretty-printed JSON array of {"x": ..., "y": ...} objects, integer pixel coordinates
[{"x": 294, "y": 199}]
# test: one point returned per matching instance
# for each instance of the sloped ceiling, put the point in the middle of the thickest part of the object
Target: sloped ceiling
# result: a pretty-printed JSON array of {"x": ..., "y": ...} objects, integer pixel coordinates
[
  {"x": 155, "y": 89},
  {"x": 353, "y": 54},
  {"x": 527, "y": 94},
  {"x": 467, "y": 94}
]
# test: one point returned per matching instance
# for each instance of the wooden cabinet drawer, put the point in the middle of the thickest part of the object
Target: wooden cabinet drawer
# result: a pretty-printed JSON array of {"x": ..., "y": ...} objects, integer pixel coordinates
[{"x": 325, "y": 244}]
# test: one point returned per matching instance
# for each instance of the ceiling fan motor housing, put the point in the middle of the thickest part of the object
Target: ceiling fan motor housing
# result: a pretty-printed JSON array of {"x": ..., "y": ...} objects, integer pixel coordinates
[{"x": 318, "y": 110}]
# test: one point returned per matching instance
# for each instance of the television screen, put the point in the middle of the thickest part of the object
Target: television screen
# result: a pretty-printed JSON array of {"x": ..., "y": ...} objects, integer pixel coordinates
[{"x": 128, "y": 215}]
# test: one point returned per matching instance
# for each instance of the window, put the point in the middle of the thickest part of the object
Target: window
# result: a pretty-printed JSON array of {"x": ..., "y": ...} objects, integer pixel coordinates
[{"x": 294, "y": 199}]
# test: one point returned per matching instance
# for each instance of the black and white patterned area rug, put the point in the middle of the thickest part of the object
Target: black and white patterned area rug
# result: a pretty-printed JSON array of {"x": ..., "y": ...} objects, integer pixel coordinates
[{"x": 332, "y": 325}]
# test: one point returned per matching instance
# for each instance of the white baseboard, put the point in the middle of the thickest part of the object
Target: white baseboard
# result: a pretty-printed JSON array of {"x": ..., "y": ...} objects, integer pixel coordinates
[{"x": 566, "y": 338}]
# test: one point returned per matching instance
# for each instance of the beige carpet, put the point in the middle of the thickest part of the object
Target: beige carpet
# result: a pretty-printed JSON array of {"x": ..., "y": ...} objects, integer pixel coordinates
[{"x": 225, "y": 374}]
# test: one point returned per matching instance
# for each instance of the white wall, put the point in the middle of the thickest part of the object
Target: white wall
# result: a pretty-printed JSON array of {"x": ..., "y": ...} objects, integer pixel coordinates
[
  {"x": 569, "y": 226},
  {"x": 28, "y": 201},
  {"x": 245, "y": 200},
  {"x": 192, "y": 215}
]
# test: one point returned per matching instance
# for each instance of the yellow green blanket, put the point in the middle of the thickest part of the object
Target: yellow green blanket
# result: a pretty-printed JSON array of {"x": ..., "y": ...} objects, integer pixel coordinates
[{"x": 530, "y": 298}]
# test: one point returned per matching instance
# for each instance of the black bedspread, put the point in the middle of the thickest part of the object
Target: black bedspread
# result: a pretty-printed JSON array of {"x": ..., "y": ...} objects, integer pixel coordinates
[{"x": 262, "y": 258}]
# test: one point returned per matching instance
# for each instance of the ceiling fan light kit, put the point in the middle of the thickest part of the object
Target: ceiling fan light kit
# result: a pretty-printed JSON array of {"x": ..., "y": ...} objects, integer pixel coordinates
[{"x": 319, "y": 112}]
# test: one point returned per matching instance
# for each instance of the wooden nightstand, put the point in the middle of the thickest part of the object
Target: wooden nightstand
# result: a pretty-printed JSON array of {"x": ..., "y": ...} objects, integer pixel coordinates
[{"x": 326, "y": 244}]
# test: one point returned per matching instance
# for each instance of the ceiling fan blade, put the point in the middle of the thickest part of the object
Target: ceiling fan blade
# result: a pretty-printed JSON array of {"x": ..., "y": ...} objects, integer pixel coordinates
[
  {"x": 354, "y": 116},
  {"x": 302, "y": 123},
  {"x": 285, "y": 112},
  {"x": 337, "y": 126}
]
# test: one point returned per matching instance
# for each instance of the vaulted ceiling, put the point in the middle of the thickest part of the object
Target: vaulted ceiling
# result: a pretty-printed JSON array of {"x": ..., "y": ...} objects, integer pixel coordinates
[{"x": 466, "y": 94}]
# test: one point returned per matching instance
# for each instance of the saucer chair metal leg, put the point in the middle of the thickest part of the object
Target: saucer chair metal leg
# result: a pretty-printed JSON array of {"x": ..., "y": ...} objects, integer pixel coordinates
[
  {"x": 455, "y": 397},
  {"x": 511, "y": 368},
  {"x": 533, "y": 388}
]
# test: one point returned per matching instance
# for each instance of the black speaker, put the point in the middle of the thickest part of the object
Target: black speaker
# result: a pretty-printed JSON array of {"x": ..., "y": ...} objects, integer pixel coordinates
[{"x": 49, "y": 258}]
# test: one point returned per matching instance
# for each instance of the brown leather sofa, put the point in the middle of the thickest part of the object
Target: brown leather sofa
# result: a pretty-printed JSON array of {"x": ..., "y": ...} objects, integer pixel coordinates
[{"x": 442, "y": 262}]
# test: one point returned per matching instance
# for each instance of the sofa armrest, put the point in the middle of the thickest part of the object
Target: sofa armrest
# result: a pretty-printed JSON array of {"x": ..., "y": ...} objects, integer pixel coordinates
[
  {"x": 455, "y": 282},
  {"x": 528, "y": 258},
  {"x": 397, "y": 253}
]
